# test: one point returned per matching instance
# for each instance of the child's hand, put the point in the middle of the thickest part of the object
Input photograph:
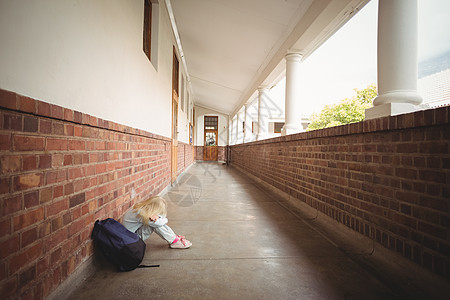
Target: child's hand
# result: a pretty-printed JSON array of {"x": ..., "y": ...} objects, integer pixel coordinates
[{"x": 153, "y": 218}]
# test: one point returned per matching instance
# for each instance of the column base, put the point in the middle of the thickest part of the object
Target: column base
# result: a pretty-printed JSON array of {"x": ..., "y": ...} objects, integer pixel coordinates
[
  {"x": 399, "y": 97},
  {"x": 391, "y": 109}
]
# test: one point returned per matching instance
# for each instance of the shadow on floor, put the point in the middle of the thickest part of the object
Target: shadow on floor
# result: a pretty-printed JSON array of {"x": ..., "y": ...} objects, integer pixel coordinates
[{"x": 246, "y": 244}]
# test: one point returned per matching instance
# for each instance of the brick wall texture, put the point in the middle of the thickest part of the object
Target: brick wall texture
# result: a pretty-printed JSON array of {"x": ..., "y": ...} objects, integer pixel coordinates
[
  {"x": 60, "y": 170},
  {"x": 388, "y": 179},
  {"x": 185, "y": 156}
]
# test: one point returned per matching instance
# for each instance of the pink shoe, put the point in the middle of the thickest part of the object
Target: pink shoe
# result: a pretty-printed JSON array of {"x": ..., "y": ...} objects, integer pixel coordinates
[{"x": 180, "y": 243}]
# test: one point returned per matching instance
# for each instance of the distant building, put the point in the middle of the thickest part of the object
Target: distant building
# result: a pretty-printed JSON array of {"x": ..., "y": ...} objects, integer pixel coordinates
[
  {"x": 434, "y": 81},
  {"x": 435, "y": 89}
]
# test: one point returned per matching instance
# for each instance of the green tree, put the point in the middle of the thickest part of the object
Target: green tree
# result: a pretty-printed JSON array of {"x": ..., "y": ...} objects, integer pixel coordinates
[{"x": 349, "y": 110}]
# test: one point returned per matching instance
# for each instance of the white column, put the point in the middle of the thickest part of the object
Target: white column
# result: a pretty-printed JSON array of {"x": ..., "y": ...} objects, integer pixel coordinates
[
  {"x": 230, "y": 131},
  {"x": 240, "y": 131},
  {"x": 292, "y": 101},
  {"x": 397, "y": 59},
  {"x": 248, "y": 124},
  {"x": 233, "y": 131},
  {"x": 263, "y": 114}
]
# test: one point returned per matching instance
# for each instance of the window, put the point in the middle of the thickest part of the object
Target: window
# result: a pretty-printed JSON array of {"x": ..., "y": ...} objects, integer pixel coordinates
[
  {"x": 211, "y": 123},
  {"x": 175, "y": 74},
  {"x": 277, "y": 126},
  {"x": 148, "y": 28},
  {"x": 210, "y": 139}
]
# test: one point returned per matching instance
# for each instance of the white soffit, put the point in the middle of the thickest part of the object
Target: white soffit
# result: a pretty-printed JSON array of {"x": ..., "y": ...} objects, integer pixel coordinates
[{"x": 230, "y": 47}]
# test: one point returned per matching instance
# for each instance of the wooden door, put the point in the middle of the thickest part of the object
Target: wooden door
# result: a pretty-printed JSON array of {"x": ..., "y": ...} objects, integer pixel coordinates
[
  {"x": 210, "y": 153},
  {"x": 210, "y": 149},
  {"x": 174, "y": 148}
]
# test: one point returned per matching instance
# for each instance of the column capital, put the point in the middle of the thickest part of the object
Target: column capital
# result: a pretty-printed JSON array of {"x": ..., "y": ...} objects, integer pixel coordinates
[
  {"x": 263, "y": 89},
  {"x": 294, "y": 56}
]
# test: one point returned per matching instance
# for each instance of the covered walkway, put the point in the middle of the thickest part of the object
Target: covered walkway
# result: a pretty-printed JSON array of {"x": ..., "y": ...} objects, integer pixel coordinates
[{"x": 247, "y": 244}]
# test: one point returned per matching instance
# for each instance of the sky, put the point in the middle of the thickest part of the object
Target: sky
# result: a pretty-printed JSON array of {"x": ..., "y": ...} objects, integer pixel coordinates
[{"x": 348, "y": 59}]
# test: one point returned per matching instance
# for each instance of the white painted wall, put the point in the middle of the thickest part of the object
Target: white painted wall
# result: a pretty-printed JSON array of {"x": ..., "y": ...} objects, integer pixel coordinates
[
  {"x": 183, "y": 122},
  {"x": 87, "y": 56},
  {"x": 200, "y": 113}
]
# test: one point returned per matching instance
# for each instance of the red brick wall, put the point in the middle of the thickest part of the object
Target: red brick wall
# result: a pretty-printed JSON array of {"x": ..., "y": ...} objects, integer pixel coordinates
[
  {"x": 388, "y": 179},
  {"x": 222, "y": 155},
  {"x": 60, "y": 170},
  {"x": 185, "y": 156},
  {"x": 198, "y": 152}
]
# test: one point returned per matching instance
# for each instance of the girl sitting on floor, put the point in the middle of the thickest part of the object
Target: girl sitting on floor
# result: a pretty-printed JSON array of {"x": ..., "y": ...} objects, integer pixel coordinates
[{"x": 149, "y": 216}]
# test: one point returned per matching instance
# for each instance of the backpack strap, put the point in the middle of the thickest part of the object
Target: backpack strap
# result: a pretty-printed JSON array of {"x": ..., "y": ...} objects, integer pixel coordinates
[{"x": 148, "y": 266}]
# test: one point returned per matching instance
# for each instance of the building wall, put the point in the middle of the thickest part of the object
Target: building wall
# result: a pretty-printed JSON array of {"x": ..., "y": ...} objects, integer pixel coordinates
[
  {"x": 387, "y": 179},
  {"x": 85, "y": 130},
  {"x": 222, "y": 132},
  {"x": 200, "y": 113},
  {"x": 88, "y": 56},
  {"x": 435, "y": 89},
  {"x": 60, "y": 170}
]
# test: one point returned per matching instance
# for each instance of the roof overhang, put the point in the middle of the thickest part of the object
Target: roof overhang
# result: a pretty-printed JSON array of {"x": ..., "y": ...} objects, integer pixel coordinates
[{"x": 233, "y": 47}]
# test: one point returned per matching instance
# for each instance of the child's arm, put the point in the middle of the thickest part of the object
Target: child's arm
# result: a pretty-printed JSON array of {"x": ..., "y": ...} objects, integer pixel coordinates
[{"x": 156, "y": 221}]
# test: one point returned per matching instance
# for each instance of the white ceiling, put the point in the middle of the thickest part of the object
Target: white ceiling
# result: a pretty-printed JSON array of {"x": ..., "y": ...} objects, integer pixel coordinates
[{"x": 233, "y": 46}]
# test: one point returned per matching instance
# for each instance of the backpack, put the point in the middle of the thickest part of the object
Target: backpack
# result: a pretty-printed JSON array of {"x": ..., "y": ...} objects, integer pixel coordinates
[{"x": 122, "y": 248}]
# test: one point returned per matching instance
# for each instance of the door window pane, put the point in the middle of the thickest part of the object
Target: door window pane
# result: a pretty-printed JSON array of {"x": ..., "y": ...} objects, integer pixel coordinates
[{"x": 210, "y": 139}]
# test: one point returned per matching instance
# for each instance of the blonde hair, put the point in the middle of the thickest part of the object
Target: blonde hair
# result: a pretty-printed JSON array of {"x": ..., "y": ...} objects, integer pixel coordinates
[{"x": 152, "y": 206}]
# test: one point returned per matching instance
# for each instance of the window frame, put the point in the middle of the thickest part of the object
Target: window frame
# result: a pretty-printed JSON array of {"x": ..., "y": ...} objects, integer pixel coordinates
[
  {"x": 275, "y": 126},
  {"x": 147, "y": 32}
]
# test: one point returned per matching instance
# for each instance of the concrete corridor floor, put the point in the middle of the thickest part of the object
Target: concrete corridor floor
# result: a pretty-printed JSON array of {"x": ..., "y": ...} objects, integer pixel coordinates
[{"x": 245, "y": 246}]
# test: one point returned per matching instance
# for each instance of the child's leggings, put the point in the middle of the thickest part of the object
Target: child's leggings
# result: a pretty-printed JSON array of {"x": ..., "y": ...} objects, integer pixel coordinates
[{"x": 163, "y": 231}]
